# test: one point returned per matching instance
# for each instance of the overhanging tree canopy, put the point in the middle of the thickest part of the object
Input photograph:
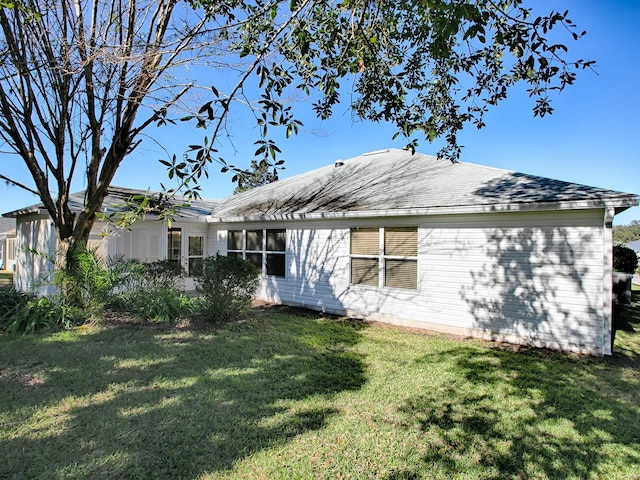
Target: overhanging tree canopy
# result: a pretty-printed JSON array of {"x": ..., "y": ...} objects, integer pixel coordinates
[{"x": 81, "y": 80}]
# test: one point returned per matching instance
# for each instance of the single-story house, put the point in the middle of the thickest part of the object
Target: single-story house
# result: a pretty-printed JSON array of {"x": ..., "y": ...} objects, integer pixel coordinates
[
  {"x": 7, "y": 243},
  {"x": 405, "y": 239}
]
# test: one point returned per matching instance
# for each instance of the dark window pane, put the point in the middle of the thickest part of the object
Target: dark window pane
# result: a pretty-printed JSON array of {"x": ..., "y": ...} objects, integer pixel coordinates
[
  {"x": 174, "y": 244},
  {"x": 254, "y": 240},
  {"x": 196, "y": 246},
  {"x": 256, "y": 259},
  {"x": 195, "y": 267},
  {"x": 234, "y": 240},
  {"x": 234, "y": 254},
  {"x": 276, "y": 240},
  {"x": 364, "y": 271},
  {"x": 276, "y": 264}
]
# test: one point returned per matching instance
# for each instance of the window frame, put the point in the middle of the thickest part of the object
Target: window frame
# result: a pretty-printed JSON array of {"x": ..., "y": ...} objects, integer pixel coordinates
[
  {"x": 264, "y": 253},
  {"x": 382, "y": 258}
]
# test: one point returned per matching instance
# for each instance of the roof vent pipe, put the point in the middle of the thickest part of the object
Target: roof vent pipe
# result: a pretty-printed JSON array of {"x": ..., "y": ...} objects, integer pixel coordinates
[{"x": 338, "y": 163}]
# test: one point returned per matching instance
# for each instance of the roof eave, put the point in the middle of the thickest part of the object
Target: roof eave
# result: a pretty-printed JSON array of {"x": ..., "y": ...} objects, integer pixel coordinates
[
  {"x": 623, "y": 203},
  {"x": 24, "y": 211}
]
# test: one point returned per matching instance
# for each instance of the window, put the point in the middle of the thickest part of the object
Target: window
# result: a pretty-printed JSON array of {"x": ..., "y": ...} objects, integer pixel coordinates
[
  {"x": 385, "y": 257},
  {"x": 196, "y": 254},
  {"x": 266, "y": 249},
  {"x": 365, "y": 256},
  {"x": 174, "y": 245},
  {"x": 11, "y": 249}
]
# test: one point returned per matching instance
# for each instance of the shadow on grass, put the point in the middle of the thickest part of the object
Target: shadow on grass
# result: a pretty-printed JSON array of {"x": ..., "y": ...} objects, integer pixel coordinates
[
  {"x": 557, "y": 421},
  {"x": 626, "y": 322},
  {"x": 127, "y": 403}
]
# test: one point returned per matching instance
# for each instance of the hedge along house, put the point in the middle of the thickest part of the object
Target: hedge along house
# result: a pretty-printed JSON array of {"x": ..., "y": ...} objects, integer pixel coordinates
[
  {"x": 405, "y": 239},
  {"x": 147, "y": 239}
]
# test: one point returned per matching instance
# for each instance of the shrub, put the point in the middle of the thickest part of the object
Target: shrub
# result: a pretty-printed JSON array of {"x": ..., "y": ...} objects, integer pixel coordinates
[
  {"x": 165, "y": 272},
  {"x": 160, "y": 304},
  {"x": 624, "y": 259},
  {"x": 226, "y": 286},
  {"x": 150, "y": 290},
  {"x": 85, "y": 282},
  {"x": 25, "y": 313}
]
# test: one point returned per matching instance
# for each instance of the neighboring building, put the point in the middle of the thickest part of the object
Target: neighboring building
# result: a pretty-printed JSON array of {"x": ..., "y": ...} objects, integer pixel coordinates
[
  {"x": 635, "y": 246},
  {"x": 409, "y": 240},
  {"x": 7, "y": 243},
  {"x": 146, "y": 240}
]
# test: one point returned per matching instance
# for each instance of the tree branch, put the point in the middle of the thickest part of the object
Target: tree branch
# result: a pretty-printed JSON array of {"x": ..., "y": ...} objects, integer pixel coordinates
[{"x": 18, "y": 184}]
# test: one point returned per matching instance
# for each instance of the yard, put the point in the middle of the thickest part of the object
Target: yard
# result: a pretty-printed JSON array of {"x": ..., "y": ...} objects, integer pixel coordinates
[{"x": 290, "y": 394}]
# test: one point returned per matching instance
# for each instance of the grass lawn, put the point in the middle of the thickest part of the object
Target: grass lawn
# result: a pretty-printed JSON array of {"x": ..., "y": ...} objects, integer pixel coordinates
[{"x": 288, "y": 394}]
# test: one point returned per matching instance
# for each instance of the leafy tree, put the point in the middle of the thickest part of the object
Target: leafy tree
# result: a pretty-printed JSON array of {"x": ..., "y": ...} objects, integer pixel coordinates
[
  {"x": 257, "y": 175},
  {"x": 623, "y": 234},
  {"x": 81, "y": 80}
]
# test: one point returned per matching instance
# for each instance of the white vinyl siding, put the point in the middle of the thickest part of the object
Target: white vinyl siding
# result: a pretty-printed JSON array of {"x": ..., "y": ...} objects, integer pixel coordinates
[
  {"x": 523, "y": 277},
  {"x": 536, "y": 277}
]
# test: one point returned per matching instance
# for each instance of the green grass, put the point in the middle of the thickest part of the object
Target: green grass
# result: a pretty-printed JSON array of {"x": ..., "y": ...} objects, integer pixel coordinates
[{"x": 293, "y": 395}]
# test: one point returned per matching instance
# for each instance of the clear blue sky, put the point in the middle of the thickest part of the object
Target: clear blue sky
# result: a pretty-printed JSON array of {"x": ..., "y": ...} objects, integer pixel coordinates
[{"x": 592, "y": 137}]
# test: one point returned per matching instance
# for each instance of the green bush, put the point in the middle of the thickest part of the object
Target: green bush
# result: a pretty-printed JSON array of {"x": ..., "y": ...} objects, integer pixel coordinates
[
  {"x": 226, "y": 286},
  {"x": 624, "y": 259},
  {"x": 85, "y": 282},
  {"x": 165, "y": 272},
  {"x": 25, "y": 313},
  {"x": 150, "y": 290},
  {"x": 160, "y": 304}
]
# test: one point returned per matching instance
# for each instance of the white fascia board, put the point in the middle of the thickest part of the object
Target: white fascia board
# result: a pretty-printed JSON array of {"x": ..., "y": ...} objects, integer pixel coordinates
[{"x": 406, "y": 212}]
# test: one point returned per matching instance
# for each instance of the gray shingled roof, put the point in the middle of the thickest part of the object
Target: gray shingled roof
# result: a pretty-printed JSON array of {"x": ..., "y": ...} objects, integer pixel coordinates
[
  {"x": 7, "y": 224},
  {"x": 396, "y": 181},
  {"x": 116, "y": 201},
  {"x": 387, "y": 182}
]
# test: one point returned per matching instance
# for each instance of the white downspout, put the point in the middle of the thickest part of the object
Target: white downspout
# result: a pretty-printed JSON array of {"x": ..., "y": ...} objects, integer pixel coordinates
[{"x": 607, "y": 281}]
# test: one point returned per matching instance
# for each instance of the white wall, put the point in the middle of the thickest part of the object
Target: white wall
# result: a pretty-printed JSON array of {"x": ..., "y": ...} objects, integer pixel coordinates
[
  {"x": 35, "y": 246},
  {"x": 522, "y": 277},
  {"x": 144, "y": 240}
]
